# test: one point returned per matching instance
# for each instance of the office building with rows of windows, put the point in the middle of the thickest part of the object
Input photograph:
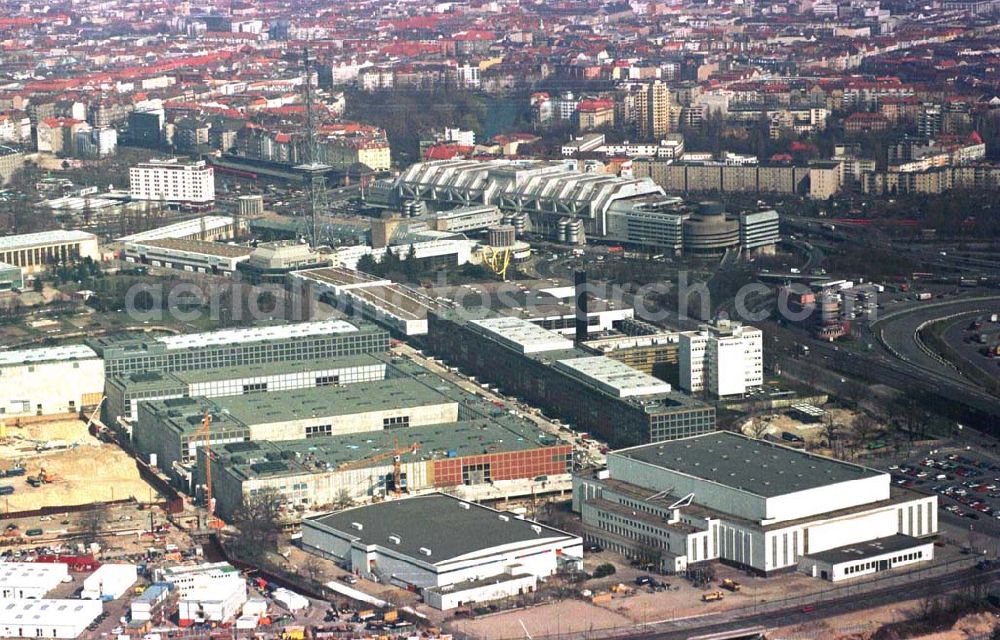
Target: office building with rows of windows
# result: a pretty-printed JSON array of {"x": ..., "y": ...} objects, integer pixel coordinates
[
  {"x": 235, "y": 347},
  {"x": 126, "y": 390},
  {"x": 753, "y": 504},
  {"x": 597, "y": 394}
]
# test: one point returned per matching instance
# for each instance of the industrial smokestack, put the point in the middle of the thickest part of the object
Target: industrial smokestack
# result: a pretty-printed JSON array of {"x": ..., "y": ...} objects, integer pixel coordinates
[{"x": 580, "y": 304}]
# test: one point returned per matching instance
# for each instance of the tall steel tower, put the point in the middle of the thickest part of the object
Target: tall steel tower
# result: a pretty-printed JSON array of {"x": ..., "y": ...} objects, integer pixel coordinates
[{"x": 313, "y": 171}]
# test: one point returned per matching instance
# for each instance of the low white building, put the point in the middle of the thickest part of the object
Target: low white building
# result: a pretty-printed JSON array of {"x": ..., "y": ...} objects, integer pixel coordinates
[
  {"x": 746, "y": 502},
  {"x": 290, "y": 600},
  {"x": 862, "y": 559},
  {"x": 187, "y": 579},
  {"x": 109, "y": 582},
  {"x": 217, "y": 600},
  {"x": 454, "y": 552},
  {"x": 724, "y": 359},
  {"x": 187, "y": 255},
  {"x": 49, "y": 381},
  {"x": 30, "y": 580},
  {"x": 47, "y": 618}
]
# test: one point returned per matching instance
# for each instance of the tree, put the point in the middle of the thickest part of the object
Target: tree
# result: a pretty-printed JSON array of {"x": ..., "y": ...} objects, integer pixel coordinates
[
  {"x": 258, "y": 520},
  {"x": 92, "y": 522},
  {"x": 368, "y": 264},
  {"x": 38, "y": 285},
  {"x": 604, "y": 570},
  {"x": 410, "y": 267},
  {"x": 313, "y": 568},
  {"x": 344, "y": 499},
  {"x": 864, "y": 427}
]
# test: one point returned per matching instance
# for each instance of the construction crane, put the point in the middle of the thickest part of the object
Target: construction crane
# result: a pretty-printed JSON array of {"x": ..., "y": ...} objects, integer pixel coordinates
[
  {"x": 395, "y": 453},
  {"x": 206, "y": 423},
  {"x": 498, "y": 260}
]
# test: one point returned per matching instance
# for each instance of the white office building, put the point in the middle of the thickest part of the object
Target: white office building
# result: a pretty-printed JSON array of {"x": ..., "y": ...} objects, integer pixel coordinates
[
  {"x": 173, "y": 182},
  {"x": 724, "y": 359},
  {"x": 188, "y": 579},
  {"x": 47, "y": 618},
  {"x": 30, "y": 580},
  {"x": 213, "y": 600},
  {"x": 49, "y": 381},
  {"x": 753, "y": 504},
  {"x": 454, "y": 552}
]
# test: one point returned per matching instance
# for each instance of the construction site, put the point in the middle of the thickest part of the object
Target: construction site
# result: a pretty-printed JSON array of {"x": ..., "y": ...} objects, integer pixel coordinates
[{"x": 63, "y": 463}]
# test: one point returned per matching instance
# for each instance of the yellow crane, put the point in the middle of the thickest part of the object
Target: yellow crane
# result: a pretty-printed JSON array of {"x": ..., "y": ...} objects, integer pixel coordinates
[
  {"x": 395, "y": 453},
  {"x": 206, "y": 423}
]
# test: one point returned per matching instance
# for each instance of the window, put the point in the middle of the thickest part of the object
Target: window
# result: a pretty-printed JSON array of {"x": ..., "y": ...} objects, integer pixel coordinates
[
  {"x": 254, "y": 387},
  {"x": 327, "y": 381},
  {"x": 396, "y": 422},
  {"x": 318, "y": 430}
]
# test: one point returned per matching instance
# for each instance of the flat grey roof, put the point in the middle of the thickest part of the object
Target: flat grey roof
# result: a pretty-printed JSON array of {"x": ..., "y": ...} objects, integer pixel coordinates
[
  {"x": 140, "y": 380},
  {"x": 381, "y": 395},
  {"x": 445, "y": 525},
  {"x": 870, "y": 549},
  {"x": 43, "y": 238},
  {"x": 755, "y": 466}
]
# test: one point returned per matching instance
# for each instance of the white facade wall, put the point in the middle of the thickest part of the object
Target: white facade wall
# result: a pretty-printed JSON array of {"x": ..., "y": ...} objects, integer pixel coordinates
[
  {"x": 173, "y": 182},
  {"x": 218, "y": 602},
  {"x": 30, "y": 580},
  {"x": 45, "y": 388},
  {"x": 356, "y": 422},
  {"x": 726, "y": 370},
  {"x": 691, "y": 359},
  {"x": 47, "y": 618},
  {"x": 836, "y": 572},
  {"x": 191, "y": 261},
  {"x": 110, "y": 581},
  {"x": 276, "y": 382},
  {"x": 503, "y": 588}
]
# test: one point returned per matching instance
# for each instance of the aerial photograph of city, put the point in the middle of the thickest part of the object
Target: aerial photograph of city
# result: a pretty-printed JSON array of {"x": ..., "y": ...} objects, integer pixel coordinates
[{"x": 500, "y": 319}]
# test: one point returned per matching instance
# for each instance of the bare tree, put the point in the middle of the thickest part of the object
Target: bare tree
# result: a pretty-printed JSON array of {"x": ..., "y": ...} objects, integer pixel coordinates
[
  {"x": 92, "y": 522},
  {"x": 864, "y": 428},
  {"x": 258, "y": 520},
  {"x": 313, "y": 568}
]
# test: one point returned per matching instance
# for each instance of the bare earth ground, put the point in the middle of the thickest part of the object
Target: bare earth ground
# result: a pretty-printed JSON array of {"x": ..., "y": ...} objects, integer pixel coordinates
[
  {"x": 861, "y": 625},
  {"x": 92, "y": 471},
  {"x": 570, "y": 616}
]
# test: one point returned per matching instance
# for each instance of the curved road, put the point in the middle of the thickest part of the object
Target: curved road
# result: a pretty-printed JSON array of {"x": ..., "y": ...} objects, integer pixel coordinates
[{"x": 898, "y": 332}]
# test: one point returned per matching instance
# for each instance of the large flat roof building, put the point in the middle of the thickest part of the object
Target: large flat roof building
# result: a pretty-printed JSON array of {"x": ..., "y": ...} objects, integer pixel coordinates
[
  {"x": 49, "y": 381},
  {"x": 171, "y": 429},
  {"x": 619, "y": 406},
  {"x": 451, "y": 550},
  {"x": 33, "y": 252},
  {"x": 47, "y": 618},
  {"x": 124, "y": 391},
  {"x": 126, "y": 353},
  {"x": 506, "y": 453},
  {"x": 747, "y": 502}
]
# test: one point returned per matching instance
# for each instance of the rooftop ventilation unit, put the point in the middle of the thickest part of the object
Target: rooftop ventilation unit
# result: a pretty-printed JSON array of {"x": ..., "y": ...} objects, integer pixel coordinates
[
  {"x": 425, "y": 551},
  {"x": 464, "y": 505},
  {"x": 394, "y": 539},
  {"x": 537, "y": 529},
  {"x": 357, "y": 525}
]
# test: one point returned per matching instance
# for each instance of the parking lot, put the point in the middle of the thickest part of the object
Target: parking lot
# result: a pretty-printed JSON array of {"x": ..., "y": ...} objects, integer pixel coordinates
[{"x": 967, "y": 484}]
